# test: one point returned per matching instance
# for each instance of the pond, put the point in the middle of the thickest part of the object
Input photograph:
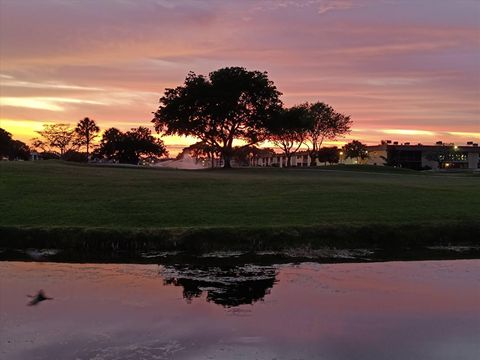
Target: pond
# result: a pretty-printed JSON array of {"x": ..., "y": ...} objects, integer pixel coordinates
[{"x": 227, "y": 310}]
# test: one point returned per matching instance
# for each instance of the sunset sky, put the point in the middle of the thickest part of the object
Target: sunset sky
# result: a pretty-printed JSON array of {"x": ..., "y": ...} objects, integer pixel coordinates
[{"x": 405, "y": 70}]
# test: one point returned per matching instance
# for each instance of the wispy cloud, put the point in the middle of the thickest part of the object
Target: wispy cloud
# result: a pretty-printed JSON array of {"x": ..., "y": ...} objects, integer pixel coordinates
[
  {"x": 44, "y": 103},
  {"x": 473, "y": 135},
  {"x": 408, "y": 132},
  {"x": 10, "y": 81},
  {"x": 333, "y": 5}
]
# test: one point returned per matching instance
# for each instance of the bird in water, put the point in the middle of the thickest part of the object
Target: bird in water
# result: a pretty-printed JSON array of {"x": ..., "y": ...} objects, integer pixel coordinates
[{"x": 38, "y": 298}]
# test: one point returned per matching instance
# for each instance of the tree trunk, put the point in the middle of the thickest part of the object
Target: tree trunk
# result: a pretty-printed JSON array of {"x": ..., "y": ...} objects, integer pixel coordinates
[
  {"x": 226, "y": 162},
  {"x": 227, "y": 153},
  {"x": 212, "y": 160},
  {"x": 289, "y": 160}
]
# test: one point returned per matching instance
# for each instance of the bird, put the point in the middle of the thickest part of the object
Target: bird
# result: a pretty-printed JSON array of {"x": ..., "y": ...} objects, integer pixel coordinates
[{"x": 38, "y": 298}]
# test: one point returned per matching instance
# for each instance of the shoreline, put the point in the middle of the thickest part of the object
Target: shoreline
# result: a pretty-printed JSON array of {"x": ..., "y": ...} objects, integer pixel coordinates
[{"x": 200, "y": 240}]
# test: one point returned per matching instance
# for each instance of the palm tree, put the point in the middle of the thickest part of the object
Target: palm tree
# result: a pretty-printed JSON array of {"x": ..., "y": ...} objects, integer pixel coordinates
[{"x": 87, "y": 130}]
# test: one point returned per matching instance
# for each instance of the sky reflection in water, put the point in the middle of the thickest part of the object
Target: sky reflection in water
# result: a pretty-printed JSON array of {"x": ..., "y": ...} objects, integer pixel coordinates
[{"x": 393, "y": 310}]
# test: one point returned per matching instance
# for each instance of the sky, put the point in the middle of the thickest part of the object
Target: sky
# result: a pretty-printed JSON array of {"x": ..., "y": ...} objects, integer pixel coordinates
[{"x": 404, "y": 70}]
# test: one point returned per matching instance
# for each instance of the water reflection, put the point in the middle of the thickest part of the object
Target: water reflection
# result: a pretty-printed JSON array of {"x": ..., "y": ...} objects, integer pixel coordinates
[
  {"x": 396, "y": 310},
  {"x": 224, "y": 285}
]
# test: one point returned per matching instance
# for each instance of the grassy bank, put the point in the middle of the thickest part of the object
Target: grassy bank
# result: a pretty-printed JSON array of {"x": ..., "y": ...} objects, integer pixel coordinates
[
  {"x": 73, "y": 204},
  {"x": 246, "y": 239}
]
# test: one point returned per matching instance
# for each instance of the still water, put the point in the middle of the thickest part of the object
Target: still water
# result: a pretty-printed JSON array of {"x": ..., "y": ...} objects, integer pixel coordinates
[{"x": 390, "y": 310}]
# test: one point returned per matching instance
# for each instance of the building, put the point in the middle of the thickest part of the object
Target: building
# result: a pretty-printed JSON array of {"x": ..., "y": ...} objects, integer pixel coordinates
[
  {"x": 299, "y": 159},
  {"x": 417, "y": 157},
  {"x": 421, "y": 157}
]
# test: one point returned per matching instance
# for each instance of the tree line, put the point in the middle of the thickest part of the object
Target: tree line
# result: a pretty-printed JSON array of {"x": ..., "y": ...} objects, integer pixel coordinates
[
  {"x": 61, "y": 141},
  {"x": 231, "y": 111}
]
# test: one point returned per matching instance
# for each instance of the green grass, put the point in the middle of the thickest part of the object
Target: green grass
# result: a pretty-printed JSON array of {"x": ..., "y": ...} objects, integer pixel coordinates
[{"x": 49, "y": 193}]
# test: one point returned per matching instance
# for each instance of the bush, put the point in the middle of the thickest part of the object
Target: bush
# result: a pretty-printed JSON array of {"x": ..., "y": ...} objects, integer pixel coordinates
[{"x": 76, "y": 156}]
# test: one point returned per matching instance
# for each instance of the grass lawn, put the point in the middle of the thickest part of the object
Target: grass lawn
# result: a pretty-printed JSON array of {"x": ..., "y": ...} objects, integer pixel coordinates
[{"x": 50, "y": 193}]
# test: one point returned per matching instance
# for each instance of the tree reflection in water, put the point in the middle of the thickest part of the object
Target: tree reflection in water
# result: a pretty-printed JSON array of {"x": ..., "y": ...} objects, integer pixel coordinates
[{"x": 228, "y": 286}]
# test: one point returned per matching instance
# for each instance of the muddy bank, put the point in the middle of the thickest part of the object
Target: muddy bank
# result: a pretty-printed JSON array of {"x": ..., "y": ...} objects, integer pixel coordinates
[{"x": 248, "y": 239}]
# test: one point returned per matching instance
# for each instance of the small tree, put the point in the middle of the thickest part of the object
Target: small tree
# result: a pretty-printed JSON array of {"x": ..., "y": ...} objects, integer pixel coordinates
[
  {"x": 329, "y": 154},
  {"x": 86, "y": 130},
  {"x": 289, "y": 131},
  {"x": 356, "y": 149},
  {"x": 324, "y": 123},
  {"x": 232, "y": 103},
  {"x": 56, "y": 138}
]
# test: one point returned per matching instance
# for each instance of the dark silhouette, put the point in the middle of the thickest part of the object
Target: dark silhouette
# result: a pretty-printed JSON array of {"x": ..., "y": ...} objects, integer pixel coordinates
[
  {"x": 443, "y": 156},
  {"x": 232, "y": 103},
  {"x": 225, "y": 285},
  {"x": 12, "y": 149},
  {"x": 73, "y": 155},
  {"x": 243, "y": 155},
  {"x": 131, "y": 146},
  {"x": 356, "y": 149},
  {"x": 38, "y": 298},
  {"x": 86, "y": 130},
  {"x": 324, "y": 123},
  {"x": 56, "y": 138},
  {"x": 288, "y": 132},
  {"x": 329, "y": 154}
]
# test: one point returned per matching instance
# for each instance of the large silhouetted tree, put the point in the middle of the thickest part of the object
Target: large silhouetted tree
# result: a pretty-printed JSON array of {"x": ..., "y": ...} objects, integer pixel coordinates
[
  {"x": 86, "y": 130},
  {"x": 232, "y": 103},
  {"x": 288, "y": 132},
  {"x": 324, "y": 123},
  {"x": 131, "y": 146}
]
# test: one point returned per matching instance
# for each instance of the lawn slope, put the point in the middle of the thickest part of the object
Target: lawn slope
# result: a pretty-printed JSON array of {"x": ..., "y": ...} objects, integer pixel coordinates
[{"x": 50, "y": 195}]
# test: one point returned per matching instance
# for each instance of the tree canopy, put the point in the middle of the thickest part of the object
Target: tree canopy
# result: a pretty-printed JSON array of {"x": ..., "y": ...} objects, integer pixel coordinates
[
  {"x": 324, "y": 123},
  {"x": 356, "y": 149},
  {"x": 12, "y": 149},
  {"x": 288, "y": 132},
  {"x": 56, "y": 138},
  {"x": 129, "y": 147},
  {"x": 86, "y": 131},
  {"x": 232, "y": 103},
  {"x": 329, "y": 154}
]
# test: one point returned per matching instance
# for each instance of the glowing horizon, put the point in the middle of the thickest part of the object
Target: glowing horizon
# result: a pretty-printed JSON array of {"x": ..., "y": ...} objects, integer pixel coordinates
[{"x": 404, "y": 71}]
